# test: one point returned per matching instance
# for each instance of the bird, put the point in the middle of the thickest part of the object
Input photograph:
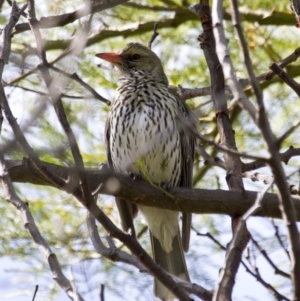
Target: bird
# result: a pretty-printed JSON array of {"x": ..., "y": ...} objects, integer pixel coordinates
[{"x": 144, "y": 137}]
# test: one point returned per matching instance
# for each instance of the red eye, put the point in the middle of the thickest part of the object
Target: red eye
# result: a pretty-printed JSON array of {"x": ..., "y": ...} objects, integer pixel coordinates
[{"x": 135, "y": 57}]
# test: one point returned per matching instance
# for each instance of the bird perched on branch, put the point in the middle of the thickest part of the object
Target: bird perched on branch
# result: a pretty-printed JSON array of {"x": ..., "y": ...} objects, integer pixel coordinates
[{"x": 145, "y": 137}]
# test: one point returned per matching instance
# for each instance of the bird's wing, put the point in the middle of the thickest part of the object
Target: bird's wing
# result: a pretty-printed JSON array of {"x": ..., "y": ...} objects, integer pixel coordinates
[
  {"x": 187, "y": 148},
  {"x": 127, "y": 210},
  {"x": 187, "y": 142}
]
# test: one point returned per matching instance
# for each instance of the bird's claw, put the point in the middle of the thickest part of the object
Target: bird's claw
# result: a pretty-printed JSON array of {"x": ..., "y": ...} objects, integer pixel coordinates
[
  {"x": 134, "y": 176},
  {"x": 166, "y": 185}
]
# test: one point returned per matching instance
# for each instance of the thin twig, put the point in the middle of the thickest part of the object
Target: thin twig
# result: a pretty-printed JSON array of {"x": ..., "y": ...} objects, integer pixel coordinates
[
  {"x": 269, "y": 260},
  {"x": 35, "y": 292},
  {"x": 277, "y": 235},
  {"x": 230, "y": 254},
  {"x": 285, "y": 77},
  {"x": 208, "y": 159},
  {"x": 61, "y": 20},
  {"x": 225, "y": 60},
  {"x": 187, "y": 93},
  {"x": 187, "y": 125},
  {"x": 102, "y": 288},
  {"x": 111, "y": 252},
  {"x": 154, "y": 35},
  {"x": 207, "y": 234},
  {"x": 268, "y": 286},
  {"x": 288, "y": 132},
  {"x": 284, "y": 157},
  {"x": 254, "y": 274},
  {"x": 76, "y": 78},
  {"x": 57, "y": 103}
]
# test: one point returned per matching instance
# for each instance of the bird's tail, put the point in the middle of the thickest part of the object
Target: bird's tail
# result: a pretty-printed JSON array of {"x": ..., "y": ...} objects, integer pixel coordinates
[{"x": 173, "y": 262}]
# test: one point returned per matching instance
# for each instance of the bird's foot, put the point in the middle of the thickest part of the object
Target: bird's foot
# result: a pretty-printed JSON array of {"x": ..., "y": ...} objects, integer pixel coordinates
[
  {"x": 166, "y": 186},
  {"x": 134, "y": 176}
]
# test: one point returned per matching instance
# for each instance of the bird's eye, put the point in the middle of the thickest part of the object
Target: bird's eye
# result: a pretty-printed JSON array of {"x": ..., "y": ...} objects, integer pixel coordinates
[{"x": 135, "y": 57}]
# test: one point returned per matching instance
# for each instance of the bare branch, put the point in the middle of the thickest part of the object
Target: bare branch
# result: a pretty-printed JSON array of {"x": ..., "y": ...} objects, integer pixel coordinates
[
  {"x": 111, "y": 253},
  {"x": 288, "y": 132},
  {"x": 187, "y": 93},
  {"x": 225, "y": 60},
  {"x": 154, "y": 35},
  {"x": 268, "y": 286},
  {"x": 57, "y": 103},
  {"x": 225, "y": 273},
  {"x": 208, "y": 159},
  {"x": 86, "y": 197},
  {"x": 280, "y": 240},
  {"x": 211, "y": 238},
  {"x": 285, "y": 77},
  {"x": 30, "y": 225},
  {"x": 61, "y": 20},
  {"x": 233, "y": 163},
  {"x": 5, "y": 43},
  {"x": 141, "y": 192},
  {"x": 287, "y": 205},
  {"x": 269, "y": 260},
  {"x": 295, "y": 5},
  {"x": 195, "y": 289},
  {"x": 35, "y": 292},
  {"x": 102, "y": 287},
  {"x": 253, "y": 273},
  {"x": 76, "y": 78},
  {"x": 284, "y": 157},
  {"x": 7, "y": 111}
]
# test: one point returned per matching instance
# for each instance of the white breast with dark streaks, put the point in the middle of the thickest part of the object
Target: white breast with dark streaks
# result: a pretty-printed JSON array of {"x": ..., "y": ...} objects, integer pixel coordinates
[{"x": 144, "y": 128}]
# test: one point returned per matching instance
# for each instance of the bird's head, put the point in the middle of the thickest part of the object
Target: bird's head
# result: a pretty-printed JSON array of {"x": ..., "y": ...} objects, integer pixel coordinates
[{"x": 136, "y": 57}]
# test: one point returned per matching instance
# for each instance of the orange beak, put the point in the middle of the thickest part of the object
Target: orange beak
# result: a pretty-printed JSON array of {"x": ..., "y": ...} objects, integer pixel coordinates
[{"x": 110, "y": 57}]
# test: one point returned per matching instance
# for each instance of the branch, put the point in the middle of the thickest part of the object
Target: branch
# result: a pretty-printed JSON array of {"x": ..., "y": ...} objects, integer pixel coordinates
[
  {"x": 154, "y": 35},
  {"x": 268, "y": 286},
  {"x": 112, "y": 253},
  {"x": 57, "y": 103},
  {"x": 61, "y": 20},
  {"x": 116, "y": 254},
  {"x": 85, "y": 197},
  {"x": 195, "y": 289},
  {"x": 286, "y": 204},
  {"x": 76, "y": 78},
  {"x": 255, "y": 275},
  {"x": 277, "y": 235},
  {"x": 30, "y": 225},
  {"x": 187, "y": 93},
  {"x": 232, "y": 162},
  {"x": 285, "y": 78},
  {"x": 262, "y": 17},
  {"x": 269, "y": 260},
  {"x": 226, "y": 276},
  {"x": 203, "y": 201},
  {"x": 226, "y": 62},
  {"x": 288, "y": 132},
  {"x": 5, "y": 106},
  {"x": 295, "y": 5},
  {"x": 284, "y": 157}
]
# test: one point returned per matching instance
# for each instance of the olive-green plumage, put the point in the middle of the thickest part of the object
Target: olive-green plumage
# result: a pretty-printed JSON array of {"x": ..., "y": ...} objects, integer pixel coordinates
[{"x": 144, "y": 136}]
